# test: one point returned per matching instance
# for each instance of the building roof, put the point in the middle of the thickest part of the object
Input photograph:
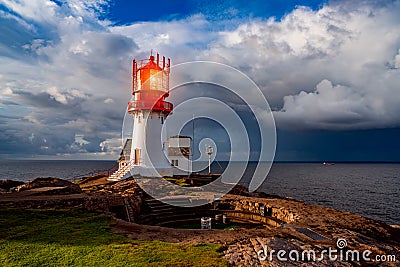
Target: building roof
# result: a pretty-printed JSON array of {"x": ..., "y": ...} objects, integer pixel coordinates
[
  {"x": 180, "y": 136},
  {"x": 126, "y": 151}
]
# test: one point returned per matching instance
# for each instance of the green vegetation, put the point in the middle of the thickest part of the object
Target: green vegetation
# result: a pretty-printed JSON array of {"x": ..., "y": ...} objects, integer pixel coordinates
[
  {"x": 181, "y": 182},
  {"x": 78, "y": 238}
]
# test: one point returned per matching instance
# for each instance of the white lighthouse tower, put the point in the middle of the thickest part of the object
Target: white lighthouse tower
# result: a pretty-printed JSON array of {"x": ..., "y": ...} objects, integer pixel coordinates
[{"x": 150, "y": 87}]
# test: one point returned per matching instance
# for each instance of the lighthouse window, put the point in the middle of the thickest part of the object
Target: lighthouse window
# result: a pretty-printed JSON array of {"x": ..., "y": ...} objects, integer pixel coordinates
[
  {"x": 174, "y": 162},
  {"x": 162, "y": 120}
]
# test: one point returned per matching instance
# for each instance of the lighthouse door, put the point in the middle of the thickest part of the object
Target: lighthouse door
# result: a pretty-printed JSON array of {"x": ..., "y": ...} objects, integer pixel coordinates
[{"x": 137, "y": 156}]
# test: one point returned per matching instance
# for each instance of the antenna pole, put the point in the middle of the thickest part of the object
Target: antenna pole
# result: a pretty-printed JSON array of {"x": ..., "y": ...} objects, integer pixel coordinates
[
  {"x": 209, "y": 163},
  {"x": 209, "y": 151},
  {"x": 193, "y": 133}
]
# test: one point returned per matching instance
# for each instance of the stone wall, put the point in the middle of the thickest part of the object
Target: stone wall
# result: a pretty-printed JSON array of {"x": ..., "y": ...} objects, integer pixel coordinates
[
  {"x": 253, "y": 207},
  {"x": 124, "y": 198},
  {"x": 44, "y": 203}
]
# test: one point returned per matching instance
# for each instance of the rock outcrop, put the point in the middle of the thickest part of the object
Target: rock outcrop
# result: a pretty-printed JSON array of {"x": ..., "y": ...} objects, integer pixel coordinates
[
  {"x": 52, "y": 186},
  {"x": 6, "y": 185}
]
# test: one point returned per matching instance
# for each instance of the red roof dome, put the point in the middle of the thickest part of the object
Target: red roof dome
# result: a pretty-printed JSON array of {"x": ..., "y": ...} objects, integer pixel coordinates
[{"x": 151, "y": 64}]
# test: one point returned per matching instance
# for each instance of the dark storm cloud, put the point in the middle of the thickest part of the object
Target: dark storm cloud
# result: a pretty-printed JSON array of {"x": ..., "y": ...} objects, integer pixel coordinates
[
  {"x": 40, "y": 100},
  {"x": 52, "y": 121},
  {"x": 8, "y": 102},
  {"x": 208, "y": 127},
  {"x": 333, "y": 146}
]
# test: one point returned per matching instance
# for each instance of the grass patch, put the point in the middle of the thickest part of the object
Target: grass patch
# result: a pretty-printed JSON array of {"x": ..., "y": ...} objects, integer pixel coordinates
[
  {"x": 181, "y": 182},
  {"x": 79, "y": 238}
]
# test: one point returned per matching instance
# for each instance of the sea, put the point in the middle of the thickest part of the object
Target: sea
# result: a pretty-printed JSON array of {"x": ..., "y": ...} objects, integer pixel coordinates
[{"x": 368, "y": 189}]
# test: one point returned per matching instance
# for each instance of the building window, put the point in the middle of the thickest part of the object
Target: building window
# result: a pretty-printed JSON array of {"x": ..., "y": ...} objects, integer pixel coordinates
[{"x": 174, "y": 162}]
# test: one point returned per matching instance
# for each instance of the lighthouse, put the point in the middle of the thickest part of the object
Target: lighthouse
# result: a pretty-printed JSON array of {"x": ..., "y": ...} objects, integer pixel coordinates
[
  {"x": 145, "y": 154},
  {"x": 150, "y": 88}
]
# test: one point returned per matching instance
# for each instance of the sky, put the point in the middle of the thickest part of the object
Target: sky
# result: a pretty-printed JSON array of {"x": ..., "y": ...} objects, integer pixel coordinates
[{"x": 330, "y": 71}]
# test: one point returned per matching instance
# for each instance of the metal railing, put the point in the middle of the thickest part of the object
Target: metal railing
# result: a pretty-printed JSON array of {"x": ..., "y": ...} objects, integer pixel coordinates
[
  {"x": 150, "y": 105},
  {"x": 118, "y": 174}
]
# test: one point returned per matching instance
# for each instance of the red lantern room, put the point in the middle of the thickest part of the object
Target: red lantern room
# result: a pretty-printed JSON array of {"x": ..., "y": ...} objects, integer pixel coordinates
[{"x": 150, "y": 85}]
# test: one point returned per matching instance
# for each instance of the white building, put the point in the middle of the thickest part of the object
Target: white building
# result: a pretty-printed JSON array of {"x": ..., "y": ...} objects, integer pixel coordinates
[{"x": 179, "y": 154}]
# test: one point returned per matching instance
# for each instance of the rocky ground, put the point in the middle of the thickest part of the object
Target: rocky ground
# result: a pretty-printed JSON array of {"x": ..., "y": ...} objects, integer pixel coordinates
[{"x": 302, "y": 227}]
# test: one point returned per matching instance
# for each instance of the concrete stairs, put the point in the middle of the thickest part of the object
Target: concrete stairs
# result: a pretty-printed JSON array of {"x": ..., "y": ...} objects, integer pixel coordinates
[
  {"x": 121, "y": 172},
  {"x": 161, "y": 214}
]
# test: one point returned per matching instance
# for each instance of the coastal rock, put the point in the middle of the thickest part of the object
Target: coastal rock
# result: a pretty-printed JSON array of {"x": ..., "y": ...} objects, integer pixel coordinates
[
  {"x": 263, "y": 252},
  {"x": 8, "y": 184},
  {"x": 280, "y": 223},
  {"x": 123, "y": 199},
  {"x": 63, "y": 186}
]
